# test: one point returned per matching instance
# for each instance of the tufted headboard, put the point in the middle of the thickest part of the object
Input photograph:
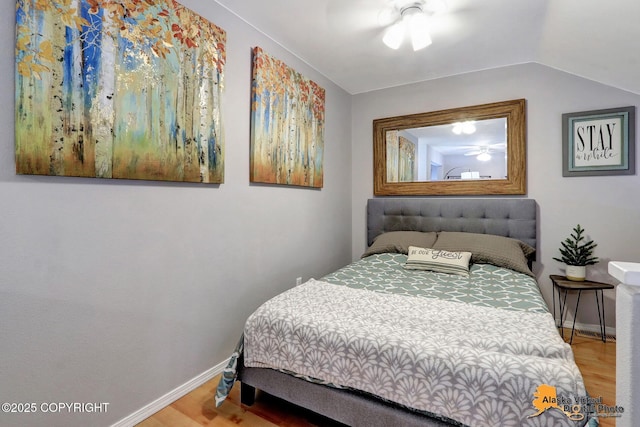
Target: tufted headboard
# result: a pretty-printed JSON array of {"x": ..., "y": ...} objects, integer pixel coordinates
[{"x": 515, "y": 218}]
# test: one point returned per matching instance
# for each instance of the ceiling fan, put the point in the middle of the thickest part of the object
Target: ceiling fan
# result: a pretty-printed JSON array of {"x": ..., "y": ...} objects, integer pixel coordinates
[
  {"x": 412, "y": 17},
  {"x": 484, "y": 152},
  {"x": 489, "y": 148}
]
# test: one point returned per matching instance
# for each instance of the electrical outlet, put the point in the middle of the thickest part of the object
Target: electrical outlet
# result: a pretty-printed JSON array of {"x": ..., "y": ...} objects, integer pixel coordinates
[{"x": 298, "y": 281}]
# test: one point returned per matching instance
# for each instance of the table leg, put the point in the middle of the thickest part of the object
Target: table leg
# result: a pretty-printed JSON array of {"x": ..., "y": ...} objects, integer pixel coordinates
[
  {"x": 603, "y": 325},
  {"x": 575, "y": 314},
  {"x": 553, "y": 295},
  {"x": 563, "y": 308}
]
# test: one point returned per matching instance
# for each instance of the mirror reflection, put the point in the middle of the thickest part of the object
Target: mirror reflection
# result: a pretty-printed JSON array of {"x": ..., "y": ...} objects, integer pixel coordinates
[{"x": 471, "y": 149}]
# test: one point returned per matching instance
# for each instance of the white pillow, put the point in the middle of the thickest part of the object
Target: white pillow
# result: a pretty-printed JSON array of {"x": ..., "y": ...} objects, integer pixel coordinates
[{"x": 438, "y": 260}]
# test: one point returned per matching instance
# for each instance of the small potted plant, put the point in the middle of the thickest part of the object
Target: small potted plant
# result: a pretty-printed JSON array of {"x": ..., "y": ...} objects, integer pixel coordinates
[{"x": 577, "y": 254}]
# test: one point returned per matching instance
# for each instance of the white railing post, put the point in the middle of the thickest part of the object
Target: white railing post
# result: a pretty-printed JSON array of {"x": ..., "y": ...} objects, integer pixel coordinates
[{"x": 627, "y": 340}]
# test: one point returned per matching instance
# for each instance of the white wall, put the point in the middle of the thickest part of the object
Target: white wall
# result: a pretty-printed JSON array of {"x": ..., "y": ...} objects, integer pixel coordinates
[
  {"x": 120, "y": 291},
  {"x": 607, "y": 207}
]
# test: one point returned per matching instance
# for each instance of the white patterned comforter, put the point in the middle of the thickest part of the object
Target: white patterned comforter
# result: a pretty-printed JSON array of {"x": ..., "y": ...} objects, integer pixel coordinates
[{"x": 475, "y": 365}]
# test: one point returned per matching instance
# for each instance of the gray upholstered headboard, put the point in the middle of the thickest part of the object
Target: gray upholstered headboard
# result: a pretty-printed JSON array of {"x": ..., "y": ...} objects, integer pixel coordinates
[{"x": 515, "y": 218}]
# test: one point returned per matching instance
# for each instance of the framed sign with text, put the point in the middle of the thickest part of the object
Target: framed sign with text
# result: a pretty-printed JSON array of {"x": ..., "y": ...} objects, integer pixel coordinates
[{"x": 599, "y": 142}]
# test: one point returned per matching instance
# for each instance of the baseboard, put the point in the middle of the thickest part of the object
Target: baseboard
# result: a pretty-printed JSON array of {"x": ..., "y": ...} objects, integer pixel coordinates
[
  {"x": 175, "y": 394},
  {"x": 589, "y": 328}
]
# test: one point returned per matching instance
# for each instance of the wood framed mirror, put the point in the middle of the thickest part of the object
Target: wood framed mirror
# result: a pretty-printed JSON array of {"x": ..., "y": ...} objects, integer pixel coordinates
[{"x": 475, "y": 150}]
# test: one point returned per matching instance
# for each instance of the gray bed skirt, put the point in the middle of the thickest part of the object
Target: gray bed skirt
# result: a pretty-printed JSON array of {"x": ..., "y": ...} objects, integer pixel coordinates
[{"x": 347, "y": 407}]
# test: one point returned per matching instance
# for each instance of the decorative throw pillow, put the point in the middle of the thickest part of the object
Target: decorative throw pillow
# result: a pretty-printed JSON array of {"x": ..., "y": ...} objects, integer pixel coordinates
[
  {"x": 399, "y": 242},
  {"x": 438, "y": 260},
  {"x": 488, "y": 249}
]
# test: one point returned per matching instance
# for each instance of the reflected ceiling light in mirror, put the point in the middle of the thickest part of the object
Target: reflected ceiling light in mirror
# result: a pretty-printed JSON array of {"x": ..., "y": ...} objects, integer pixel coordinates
[
  {"x": 467, "y": 127},
  {"x": 484, "y": 156},
  {"x": 411, "y": 17}
]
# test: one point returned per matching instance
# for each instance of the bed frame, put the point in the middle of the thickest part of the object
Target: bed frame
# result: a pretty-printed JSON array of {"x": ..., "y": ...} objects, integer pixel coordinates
[{"x": 515, "y": 218}]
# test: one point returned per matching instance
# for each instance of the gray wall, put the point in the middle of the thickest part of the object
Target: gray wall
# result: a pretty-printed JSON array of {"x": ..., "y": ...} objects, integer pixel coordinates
[
  {"x": 607, "y": 207},
  {"x": 120, "y": 291}
]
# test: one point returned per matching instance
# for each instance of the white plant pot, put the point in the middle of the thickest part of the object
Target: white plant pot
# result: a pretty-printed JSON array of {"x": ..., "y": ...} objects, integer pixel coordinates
[{"x": 576, "y": 273}]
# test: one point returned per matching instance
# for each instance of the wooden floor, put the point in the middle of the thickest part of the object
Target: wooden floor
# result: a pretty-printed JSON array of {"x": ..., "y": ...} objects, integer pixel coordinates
[
  {"x": 597, "y": 362},
  {"x": 595, "y": 359}
]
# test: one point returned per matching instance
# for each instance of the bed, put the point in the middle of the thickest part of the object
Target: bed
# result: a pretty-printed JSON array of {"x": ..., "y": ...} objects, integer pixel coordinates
[{"x": 397, "y": 338}]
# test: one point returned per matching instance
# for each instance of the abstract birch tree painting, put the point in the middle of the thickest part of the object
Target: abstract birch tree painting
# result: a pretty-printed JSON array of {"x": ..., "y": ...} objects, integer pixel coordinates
[
  {"x": 287, "y": 125},
  {"x": 118, "y": 89}
]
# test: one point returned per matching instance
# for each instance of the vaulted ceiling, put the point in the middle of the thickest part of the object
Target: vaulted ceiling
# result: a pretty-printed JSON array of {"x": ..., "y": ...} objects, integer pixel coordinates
[{"x": 598, "y": 40}]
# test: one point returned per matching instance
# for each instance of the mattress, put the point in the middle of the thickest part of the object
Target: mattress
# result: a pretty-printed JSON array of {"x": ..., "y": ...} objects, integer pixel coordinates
[{"x": 473, "y": 350}]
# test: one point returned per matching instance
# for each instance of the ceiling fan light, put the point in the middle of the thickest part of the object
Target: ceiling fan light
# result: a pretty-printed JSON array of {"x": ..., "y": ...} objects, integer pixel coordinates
[
  {"x": 393, "y": 36},
  {"x": 418, "y": 27},
  {"x": 420, "y": 40},
  {"x": 414, "y": 17},
  {"x": 484, "y": 157}
]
